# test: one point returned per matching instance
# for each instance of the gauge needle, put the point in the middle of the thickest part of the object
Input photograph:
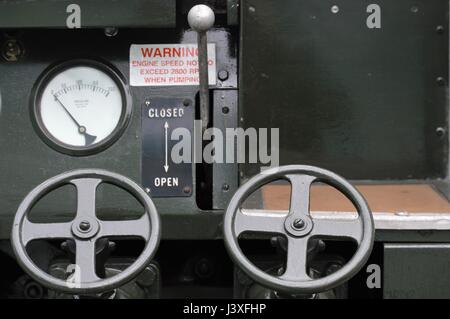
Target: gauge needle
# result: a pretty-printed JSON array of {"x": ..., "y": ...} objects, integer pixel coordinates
[{"x": 89, "y": 139}]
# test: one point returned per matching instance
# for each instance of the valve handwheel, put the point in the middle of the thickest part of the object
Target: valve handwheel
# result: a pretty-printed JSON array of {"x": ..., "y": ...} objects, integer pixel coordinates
[
  {"x": 298, "y": 226},
  {"x": 85, "y": 230}
]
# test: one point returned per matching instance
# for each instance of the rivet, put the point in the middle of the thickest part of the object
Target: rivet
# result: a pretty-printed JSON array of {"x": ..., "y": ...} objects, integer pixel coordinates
[
  {"x": 440, "y": 81},
  {"x": 440, "y": 131}
]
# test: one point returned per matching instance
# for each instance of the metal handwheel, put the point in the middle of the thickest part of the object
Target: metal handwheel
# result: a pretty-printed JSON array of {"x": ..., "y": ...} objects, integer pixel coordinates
[
  {"x": 299, "y": 227},
  {"x": 85, "y": 230}
]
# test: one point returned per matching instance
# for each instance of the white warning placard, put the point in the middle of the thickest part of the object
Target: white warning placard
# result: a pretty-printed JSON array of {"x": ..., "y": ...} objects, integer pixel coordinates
[{"x": 168, "y": 64}]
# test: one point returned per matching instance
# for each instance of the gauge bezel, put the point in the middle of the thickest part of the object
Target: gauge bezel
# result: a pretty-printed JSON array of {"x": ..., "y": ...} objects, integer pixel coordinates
[{"x": 49, "y": 74}]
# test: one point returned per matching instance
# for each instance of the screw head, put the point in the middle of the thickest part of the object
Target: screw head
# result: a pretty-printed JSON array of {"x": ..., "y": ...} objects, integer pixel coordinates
[
  {"x": 187, "y": 190},
  {"x": 299, "y": 223},
  {"x": 225, "y": 187},
  {"x": 440, "y": 131},
  {"x": 12, "y": 51},
  {"x": 84, "y": 226},
  {"x": 440, "y": 29},
  {"x": 111, "y": 31},
  {"x": 335, "y": 9},
  {"x": 223, "y": 75},
  {"x": 201, "y": 18},
  {"x": 225, "y": 110}
]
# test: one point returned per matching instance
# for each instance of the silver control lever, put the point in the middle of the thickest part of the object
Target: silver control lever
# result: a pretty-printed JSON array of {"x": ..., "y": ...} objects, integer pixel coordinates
[{"x": 201, "y": 18}]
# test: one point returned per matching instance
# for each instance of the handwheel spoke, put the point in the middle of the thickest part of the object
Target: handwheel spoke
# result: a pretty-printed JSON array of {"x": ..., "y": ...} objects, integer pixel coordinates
[
  {"x": 296, "y": 260},
  {"x": 259, "y": 223},
  {"x": 126, "y": 228},
  {"x": 86, "y": 194},
  {"x": 85, "y": 261},
  {"x": 300, "y": 192},
  {"x": 33, "y": 231},
  {"x": 335, "y": 229}
]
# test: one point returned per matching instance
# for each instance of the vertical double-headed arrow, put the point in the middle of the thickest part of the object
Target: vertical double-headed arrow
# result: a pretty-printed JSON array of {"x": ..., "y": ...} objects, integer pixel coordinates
[{"x": 166, "y": 163}]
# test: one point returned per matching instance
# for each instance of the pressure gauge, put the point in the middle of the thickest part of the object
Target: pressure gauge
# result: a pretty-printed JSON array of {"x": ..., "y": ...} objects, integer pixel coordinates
[{"x": 81, "y": 107}]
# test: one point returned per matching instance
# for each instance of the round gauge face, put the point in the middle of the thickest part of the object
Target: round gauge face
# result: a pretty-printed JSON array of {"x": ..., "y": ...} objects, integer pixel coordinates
[{"x": 81, "y": 107}]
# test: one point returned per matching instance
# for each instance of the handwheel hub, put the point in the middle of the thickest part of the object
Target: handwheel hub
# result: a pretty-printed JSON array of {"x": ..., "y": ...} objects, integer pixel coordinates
[
  {"x": 85, "y": 228},
  {"x": 298, "y": 226}
]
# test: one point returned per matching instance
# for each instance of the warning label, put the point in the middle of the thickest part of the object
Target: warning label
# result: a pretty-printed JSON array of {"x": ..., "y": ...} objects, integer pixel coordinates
[{"x": 168, "y": 64}]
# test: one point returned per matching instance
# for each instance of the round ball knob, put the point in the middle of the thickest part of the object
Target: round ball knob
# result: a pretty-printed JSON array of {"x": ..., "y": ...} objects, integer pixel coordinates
[{"x": 201, "y": 18}]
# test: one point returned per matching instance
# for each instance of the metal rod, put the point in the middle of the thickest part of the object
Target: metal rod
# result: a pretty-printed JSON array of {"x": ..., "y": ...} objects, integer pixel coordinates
[
  {"x": 203, "y": 78},
  {"x": 201, "y": 18}
]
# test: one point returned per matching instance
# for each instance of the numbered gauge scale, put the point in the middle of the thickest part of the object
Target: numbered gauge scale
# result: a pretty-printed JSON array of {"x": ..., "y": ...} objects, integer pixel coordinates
[{"x": 81, "y": 107}]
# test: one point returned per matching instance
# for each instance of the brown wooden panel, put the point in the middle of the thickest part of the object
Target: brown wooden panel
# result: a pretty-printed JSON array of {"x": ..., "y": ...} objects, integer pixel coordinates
[{"x": 411, "y": 198}]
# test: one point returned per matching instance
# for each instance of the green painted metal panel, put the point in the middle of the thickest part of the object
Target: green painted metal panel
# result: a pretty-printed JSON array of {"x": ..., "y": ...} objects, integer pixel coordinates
[
  {"x": 93, "y": 13},
  {"x": 416, "y": 271},
  {"x": 366, "y": 103}
]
